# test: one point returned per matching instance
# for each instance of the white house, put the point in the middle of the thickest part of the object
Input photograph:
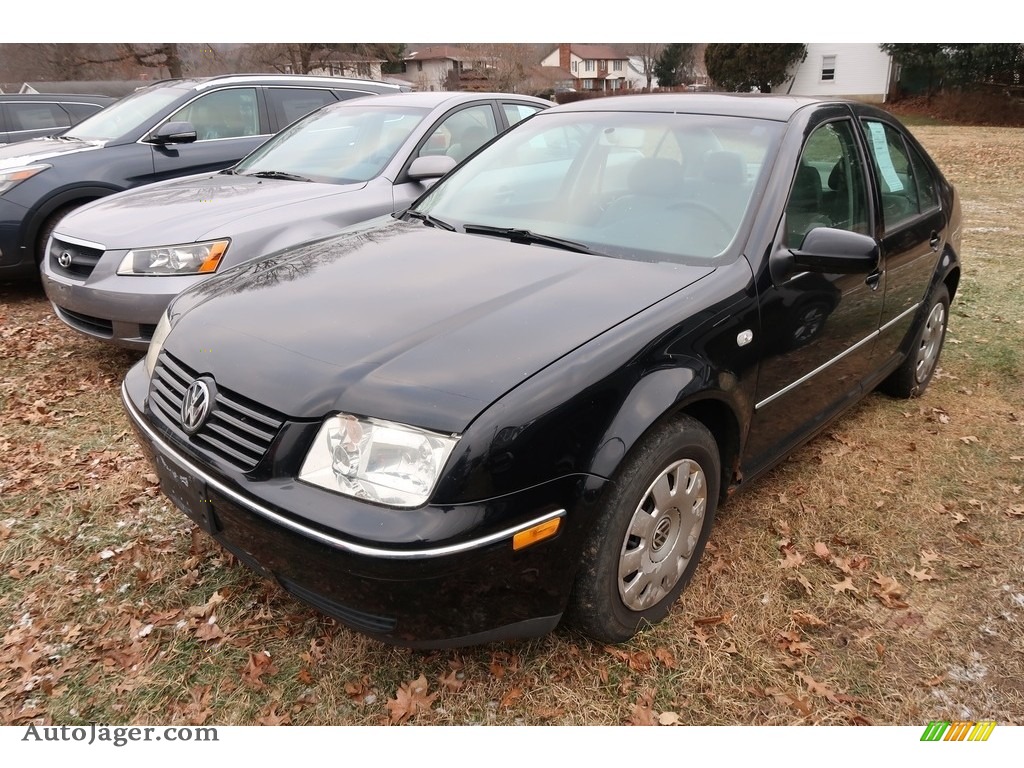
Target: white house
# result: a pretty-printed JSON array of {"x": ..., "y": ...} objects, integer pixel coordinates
[
  {"x": 854, "y": 70},
  {"x": 593, "y": 67}
]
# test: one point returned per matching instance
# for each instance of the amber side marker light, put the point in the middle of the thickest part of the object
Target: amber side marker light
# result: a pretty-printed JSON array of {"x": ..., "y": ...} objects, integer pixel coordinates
[{"x": 537, "y": 533}]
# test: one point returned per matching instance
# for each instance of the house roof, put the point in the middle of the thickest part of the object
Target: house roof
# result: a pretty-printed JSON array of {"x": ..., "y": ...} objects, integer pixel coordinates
[
  {"x": 434, "y": 52},
  {"x": 551, "y": 74},
  {"x": 595, "y": 51}
]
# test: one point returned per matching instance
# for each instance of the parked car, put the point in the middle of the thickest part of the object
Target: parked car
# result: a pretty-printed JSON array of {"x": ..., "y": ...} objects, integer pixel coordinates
[
  {"x": 171, "y": 128},
  {"x": 26, "y": 116},
  {"x": 523, "y": 400},
  {"x": 114, "y": 265}
]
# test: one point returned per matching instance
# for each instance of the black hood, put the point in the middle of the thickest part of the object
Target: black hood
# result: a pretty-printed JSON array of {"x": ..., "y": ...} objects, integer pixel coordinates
[{"x": 406, "y": 322}]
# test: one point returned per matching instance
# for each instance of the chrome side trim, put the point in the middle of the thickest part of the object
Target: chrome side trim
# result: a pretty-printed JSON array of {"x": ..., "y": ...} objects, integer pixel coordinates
[
  {"x": 899, "y": 317},
  {"x": 817, "y": 370},
  {"x": 331, "y": 541},
  {"x": 80, "y": 241}
]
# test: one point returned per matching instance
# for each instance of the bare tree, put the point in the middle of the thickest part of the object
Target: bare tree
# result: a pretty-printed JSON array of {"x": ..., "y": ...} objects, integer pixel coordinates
[
  {"x": 648, "y": 53},
  {"x": 506, "y": 65}
]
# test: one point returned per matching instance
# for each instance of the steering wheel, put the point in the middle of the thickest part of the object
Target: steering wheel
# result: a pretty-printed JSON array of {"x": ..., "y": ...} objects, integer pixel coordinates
[{"x": 719, "y": 219}]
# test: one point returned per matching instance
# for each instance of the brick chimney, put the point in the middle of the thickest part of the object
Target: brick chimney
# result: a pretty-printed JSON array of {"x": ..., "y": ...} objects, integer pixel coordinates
[{"x": 563, "y": 56}]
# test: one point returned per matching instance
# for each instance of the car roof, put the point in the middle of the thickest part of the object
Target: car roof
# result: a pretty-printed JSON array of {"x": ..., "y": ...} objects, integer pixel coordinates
[
  {"x": 199, "y": 83},
  {"x": 76, "y": 97},
  {"x": 765, "y": 106},
  {"x": 433, "y": 99}
]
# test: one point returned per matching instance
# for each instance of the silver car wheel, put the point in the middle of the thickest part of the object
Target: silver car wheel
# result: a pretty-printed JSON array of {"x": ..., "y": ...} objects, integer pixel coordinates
[
  {"x": 931, "y": 342},
  {"x": 662, "y": 535}
]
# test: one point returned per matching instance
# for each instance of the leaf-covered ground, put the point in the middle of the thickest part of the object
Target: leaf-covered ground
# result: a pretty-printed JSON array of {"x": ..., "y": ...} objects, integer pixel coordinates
[{"x": 875, "y": 577}]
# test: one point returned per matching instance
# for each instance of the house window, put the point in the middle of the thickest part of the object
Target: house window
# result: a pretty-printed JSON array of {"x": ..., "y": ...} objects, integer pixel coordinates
[
  {"x": 575, "y": 66},
  {"x": 828, "y": 68},
  {"x": 588, "y": 85},
  {"x": 617, "y": 65},
  {"x": 589, "y": 65},
  {"x": 419, "y": 66}
]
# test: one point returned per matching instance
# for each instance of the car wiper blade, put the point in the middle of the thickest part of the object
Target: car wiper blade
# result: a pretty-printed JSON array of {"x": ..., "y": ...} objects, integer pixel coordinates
[
  {"x": 527, "y": 237},
  {"x": 276, "y": 175},
  {"x": 429, "y": 220}
]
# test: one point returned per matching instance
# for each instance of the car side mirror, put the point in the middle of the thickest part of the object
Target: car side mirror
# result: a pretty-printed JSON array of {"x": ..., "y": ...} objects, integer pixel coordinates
[
  {"x": 173, "y": 133},
  {"x": 835, "y": 251},
  {"x": 430, "y": 167}
]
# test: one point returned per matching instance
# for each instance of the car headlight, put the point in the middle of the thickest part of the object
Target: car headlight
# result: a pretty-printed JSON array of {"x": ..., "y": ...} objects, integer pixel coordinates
[
  {"x": 187, "y": 259},
  {"x": 11, "y": 178},
  {"x": 377, "y": 460},
  {"x": 157, "y": 342}
]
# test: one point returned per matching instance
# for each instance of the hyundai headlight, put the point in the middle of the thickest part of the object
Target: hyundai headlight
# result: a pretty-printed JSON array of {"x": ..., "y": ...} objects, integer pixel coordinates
[
  {"x": 14, "y": 176},
  {"x": 187, "y": 259},
  {"x": 157, "y": 342},
  {"x": 375, "y": 460}
]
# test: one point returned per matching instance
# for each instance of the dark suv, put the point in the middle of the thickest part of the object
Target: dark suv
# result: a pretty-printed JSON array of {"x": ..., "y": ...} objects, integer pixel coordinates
[
  {"x": 26, "y": 116},
  {"x": 171, "y": 128}
]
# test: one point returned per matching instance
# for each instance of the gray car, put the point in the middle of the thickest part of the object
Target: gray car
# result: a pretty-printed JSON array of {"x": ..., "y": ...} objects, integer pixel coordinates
[{"x": 112, "y": 266}]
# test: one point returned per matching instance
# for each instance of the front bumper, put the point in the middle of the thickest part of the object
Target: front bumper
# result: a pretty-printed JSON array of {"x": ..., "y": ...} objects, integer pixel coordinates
[
  {"x": 121, "y": 309},
  {"x": 468, "y": 588},
  {"x": 15, "y": 261}
]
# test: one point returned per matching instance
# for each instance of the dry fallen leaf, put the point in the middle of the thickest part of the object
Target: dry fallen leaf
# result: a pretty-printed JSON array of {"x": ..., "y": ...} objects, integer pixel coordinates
[
  {"x": 846, "y": 585},
  {"x": 805, "y": 619},
  {"x": 922, "y": 575},
  {"x": 642, "y": 713},
  {"x": 410, "y": 700},
  {"x": 821, "y": 550},
  {"x": 670, "y": 718},
  {"x": 889, "y": 591}
]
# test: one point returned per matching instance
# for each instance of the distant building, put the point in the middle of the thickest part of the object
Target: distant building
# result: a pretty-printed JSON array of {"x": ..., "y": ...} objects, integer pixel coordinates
[
  {"x": 851, "y": 70},
  {"x": 592, "y": 67}
]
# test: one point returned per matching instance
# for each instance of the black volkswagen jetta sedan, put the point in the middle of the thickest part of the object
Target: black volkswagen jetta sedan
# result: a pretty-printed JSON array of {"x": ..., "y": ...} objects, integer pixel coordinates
[{"x": 522, "y": 400}]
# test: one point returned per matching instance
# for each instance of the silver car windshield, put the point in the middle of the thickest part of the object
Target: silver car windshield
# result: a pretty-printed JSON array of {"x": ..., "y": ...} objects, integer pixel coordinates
[
  {"x": 647, "y": 186},
  {"x": 337, "y": 145},
  {"x": 125, "y": 115}
]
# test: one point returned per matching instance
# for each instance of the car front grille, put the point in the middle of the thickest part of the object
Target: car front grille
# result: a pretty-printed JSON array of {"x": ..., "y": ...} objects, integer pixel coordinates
[
  {"x": 82, "y": 259},
  {"x": 237, "y": 430}
]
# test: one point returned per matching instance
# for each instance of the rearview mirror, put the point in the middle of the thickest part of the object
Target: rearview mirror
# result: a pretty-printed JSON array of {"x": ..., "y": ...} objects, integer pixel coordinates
[{"x": 173, "y": 133}]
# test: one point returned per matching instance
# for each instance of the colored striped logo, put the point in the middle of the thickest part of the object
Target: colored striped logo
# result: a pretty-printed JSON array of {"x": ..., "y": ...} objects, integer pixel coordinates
[{"x": 959, "y": 730}]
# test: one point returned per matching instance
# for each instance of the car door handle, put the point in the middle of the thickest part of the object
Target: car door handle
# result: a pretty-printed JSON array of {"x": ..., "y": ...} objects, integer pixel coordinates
[
  {"x": 934, "y": 241},
  {"x": 873, "y": 280}
]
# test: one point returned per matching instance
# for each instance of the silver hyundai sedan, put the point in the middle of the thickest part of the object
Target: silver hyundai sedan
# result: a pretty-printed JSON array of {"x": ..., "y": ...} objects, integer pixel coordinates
[{"x": 112, "y": 266}]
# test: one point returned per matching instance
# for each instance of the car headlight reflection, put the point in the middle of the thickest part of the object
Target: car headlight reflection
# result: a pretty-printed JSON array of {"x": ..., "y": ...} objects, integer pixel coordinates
[
  {"x": 375, "y": 460},
  {"x": 157, "y": 342},
  {"x": 14, "y": 176},
  {"x": 188, "y": 259}
]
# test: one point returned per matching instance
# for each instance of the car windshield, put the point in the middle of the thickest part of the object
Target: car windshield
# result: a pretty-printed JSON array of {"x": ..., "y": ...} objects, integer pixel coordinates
[
  {"x": 647, "y": 186},
  {"x": 121, "y": 117},
  {"x": 341, "y": 144}
]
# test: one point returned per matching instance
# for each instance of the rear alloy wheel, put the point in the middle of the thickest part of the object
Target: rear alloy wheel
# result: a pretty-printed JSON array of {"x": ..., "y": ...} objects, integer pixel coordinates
[
  {"x": 649, "y": 534},
  {"x": 912, "y": 377}
]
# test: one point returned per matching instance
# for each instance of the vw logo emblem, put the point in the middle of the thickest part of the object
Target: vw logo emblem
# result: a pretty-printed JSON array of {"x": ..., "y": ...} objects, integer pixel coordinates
[
  {"x": 64, "y": 259},
  {"x": 195, "y": 407}
]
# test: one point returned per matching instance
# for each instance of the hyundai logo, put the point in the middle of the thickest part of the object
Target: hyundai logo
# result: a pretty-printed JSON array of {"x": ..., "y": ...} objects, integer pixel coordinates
[
  {"x": 64, "y": 259},
  {"x": 195, "y": 407}
]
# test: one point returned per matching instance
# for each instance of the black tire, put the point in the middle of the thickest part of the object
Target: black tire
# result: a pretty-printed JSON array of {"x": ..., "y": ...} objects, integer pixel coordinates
[
  {"x": 49, "y": 225},
  {"x": 912, "y": 377},
  {"x": 611, "y": 604}
]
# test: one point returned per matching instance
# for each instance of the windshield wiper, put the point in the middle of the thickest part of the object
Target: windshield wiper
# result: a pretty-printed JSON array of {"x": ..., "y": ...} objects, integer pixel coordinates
[
  {"x": 276, "y": 175},
  {"x": 526, "y": 237},
  {"x": 429, "y": 220}
]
